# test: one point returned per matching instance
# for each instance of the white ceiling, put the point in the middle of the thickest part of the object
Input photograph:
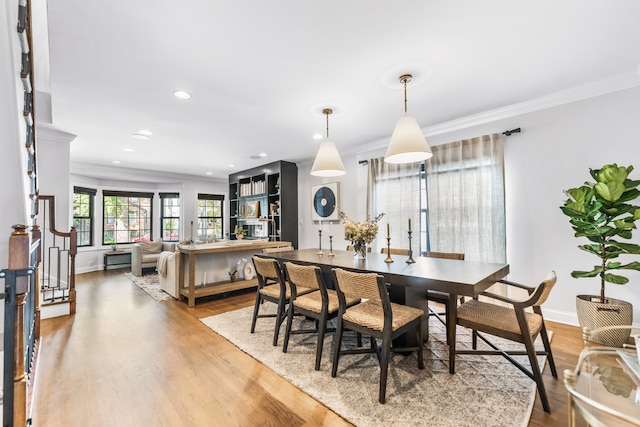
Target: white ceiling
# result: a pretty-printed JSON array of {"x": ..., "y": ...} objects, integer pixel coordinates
[{"x": 261, "y": 72}]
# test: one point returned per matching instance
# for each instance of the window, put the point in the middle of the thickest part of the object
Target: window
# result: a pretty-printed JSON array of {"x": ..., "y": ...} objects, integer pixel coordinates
[
  {"x": 127, "y": 217},
  {"x": 83, "y": 214},
  {"x": 210, "y": 216},
  {"x": 170, "y": 217},
  {"x": 395, "y": 189},
  {"x": 465, "y": 191}
]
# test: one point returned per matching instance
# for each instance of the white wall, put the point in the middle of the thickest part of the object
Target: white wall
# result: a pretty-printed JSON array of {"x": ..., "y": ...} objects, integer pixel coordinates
[
  {"x": 554, "y": 152},
  {"x": 13, "y": 174}
]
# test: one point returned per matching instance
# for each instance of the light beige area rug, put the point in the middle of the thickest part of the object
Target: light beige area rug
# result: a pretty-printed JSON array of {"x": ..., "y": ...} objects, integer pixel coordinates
[
  {"x": 151, "y": 285},
  {"x": 484, "y": 391}
]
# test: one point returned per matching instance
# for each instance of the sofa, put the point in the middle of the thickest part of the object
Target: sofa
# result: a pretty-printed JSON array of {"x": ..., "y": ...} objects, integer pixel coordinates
[
  {"x": 145, "y": 254},
  {"x": 168, "y": 267}
]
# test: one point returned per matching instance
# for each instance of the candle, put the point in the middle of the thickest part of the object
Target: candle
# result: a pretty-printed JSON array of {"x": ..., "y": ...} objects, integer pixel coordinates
[
  {"x": 388, "y": 232},
  {"x": 409, "y": 224},
  {"x": 330, "y": 229},
  {"x": 320, "y": 225}
]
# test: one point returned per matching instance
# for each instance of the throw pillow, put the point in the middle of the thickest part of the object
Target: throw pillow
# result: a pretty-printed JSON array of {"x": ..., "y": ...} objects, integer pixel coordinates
[{"x": 154, "y": 247}]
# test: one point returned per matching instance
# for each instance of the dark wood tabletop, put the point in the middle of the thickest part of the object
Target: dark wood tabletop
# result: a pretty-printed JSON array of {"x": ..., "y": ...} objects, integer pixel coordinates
[{"x": 468, "y": 278}]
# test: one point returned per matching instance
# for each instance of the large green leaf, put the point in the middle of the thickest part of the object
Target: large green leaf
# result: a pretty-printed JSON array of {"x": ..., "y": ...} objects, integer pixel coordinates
[
  {"x": 635, "y": 265},
  {"x": 613, "y": 173},
  {"x": 580, "y": 274},
  {"x": 592, "y": 249},
  {"x": 614, "y": 278},
  {"x": 610, "y": 191},
  {"x": 629, "y": 248}
]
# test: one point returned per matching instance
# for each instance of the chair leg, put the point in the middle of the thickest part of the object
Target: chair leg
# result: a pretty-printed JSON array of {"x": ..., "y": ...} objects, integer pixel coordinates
[
  {"x": 547, "y": 348},
  {"x": 279, "y": 318},
  {"x": 287, "y": 331},
  {"x": 384, "y": 368},
  {"x": 337, "y": 342},
  {"x": 535, "y": 370},
  {"x": 322, "y": 328},
  {"x": 255, "y": 312},
  {"x": 420, "y": 344}
]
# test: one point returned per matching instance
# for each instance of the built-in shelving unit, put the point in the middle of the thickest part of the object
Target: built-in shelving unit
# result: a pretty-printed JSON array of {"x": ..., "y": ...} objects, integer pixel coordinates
[{"x": 264, "y": 201}]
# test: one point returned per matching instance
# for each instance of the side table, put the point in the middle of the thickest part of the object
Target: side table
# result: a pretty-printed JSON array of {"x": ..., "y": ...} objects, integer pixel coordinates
[
  {"x": 604, "y": 389},
  {"x": 117, "y": 259}
]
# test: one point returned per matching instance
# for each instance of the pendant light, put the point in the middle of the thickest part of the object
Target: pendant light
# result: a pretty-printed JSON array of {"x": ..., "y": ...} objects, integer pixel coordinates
[
  {"x": 408, "y": 143},
  {"x": 327, "y": 162}
]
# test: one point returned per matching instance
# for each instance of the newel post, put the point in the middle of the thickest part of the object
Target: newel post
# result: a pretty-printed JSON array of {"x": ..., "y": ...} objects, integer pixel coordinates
[{"x": 19, "y": 260}]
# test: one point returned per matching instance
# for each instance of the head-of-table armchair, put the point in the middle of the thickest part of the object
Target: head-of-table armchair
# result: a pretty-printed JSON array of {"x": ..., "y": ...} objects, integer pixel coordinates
[{"x": 513, "y": 322}]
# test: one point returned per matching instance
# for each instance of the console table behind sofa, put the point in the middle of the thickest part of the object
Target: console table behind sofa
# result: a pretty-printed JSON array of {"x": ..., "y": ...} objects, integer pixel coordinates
[{"x": 208, "y": 265}]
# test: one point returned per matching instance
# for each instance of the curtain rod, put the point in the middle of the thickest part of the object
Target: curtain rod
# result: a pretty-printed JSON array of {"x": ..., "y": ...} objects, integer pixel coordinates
[{"x": 509, "y": 132}]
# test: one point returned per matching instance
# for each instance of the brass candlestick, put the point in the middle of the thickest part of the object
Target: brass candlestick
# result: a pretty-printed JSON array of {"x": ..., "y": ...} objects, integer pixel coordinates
[
  {"x": 410, "y": 259},
  {"x": 388, "y": 260},
  {"x": 331, "y": 246},
  {"x": 320, "y": 243}
]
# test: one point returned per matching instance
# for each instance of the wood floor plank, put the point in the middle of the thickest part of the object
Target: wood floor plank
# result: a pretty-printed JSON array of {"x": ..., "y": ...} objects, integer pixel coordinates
[{"x": 127, "y": 360}]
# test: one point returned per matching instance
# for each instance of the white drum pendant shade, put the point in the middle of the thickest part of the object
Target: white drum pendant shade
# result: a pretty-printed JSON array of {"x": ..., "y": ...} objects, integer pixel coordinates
[
  {"x": 408, "y": 143},
  {"x": 328, "y": 161}
]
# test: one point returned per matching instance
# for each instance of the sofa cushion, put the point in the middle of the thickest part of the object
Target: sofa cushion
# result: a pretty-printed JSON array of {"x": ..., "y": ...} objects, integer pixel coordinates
[{"x": 151, "y": 247}]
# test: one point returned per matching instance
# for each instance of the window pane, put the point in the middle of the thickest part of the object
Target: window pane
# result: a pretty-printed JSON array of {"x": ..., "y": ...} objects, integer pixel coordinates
[
  {"x": 83, "y": 217},
  {"x": 126, "y": 219}
]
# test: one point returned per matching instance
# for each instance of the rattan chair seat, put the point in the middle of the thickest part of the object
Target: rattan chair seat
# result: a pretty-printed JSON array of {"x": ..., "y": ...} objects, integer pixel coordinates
[
  {"x": 313, "y": 301},
  {"x": 273, "y": 291},
  {"x": 369, "y": 314},
  {"x": 497, "y": 316}
]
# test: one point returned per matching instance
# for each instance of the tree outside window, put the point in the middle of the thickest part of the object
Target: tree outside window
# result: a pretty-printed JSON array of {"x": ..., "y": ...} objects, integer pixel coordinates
[
  {"x": 127, "y": 217},
  {"x": 170, "y": 217},
  {"x": 83, "y": 214},
  {"x": 210, "y": 213}
]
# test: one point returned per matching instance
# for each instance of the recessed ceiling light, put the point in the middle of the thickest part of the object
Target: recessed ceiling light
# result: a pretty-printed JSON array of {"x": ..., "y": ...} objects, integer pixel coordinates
[
  {"x": 129, "y": 150},
  {"x": 139, "y": 136},
  {"x": 181, "y": 94},
  {"x": 209, "y": 173},
  {"x": 145, "y": 132},
  {"x": 117, "y": 162},
  {"x": 317, "y": 137},
  {"x": 254, "y": 157},
  {"x": 263, "y": 154},
  {"x": 232, "y": 166}
]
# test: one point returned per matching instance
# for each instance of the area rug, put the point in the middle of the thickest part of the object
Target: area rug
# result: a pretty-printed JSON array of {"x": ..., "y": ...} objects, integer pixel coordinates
[
  {"x": 484, "y": 391},
  {"x": 150, "y": 283}
]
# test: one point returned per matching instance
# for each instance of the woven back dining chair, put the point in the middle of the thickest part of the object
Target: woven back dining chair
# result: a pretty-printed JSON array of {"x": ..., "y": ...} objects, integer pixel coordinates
[
  {"x": 394, "y": 251},
  {"x": 273, "y": 288},
  {"x": 310, "y": 298},
  {"x": 375, "y": 316},
  {"x": 439, "y": 296},
  {"x": 513, "y": 322}
]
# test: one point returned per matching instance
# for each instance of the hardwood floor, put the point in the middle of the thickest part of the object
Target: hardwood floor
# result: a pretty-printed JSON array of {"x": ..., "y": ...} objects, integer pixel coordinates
[{"x": 127, "y": 360}]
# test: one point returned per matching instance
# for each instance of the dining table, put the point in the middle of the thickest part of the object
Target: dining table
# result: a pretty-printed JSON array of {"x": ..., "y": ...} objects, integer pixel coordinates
[{"x": 409, "y": 281}]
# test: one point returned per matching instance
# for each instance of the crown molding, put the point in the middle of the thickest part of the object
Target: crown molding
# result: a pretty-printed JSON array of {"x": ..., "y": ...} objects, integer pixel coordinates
[
  {"x": 579, "y": 93},
  {"x": 48, "y": 132}
]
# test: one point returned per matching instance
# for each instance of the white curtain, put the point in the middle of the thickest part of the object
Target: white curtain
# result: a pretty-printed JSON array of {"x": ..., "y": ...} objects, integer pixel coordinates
[
  {"x": 465, "y": 194},
  {"x": 395, "y": 190}
]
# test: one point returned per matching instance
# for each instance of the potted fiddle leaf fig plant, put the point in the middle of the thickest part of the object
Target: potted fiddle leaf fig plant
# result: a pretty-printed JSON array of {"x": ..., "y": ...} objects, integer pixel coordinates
[{"x": 603, "y": 213}]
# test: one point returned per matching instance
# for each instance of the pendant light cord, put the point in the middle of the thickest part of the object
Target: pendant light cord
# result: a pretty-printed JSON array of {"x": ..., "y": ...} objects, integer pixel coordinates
[{"x": 405, "y": 96}]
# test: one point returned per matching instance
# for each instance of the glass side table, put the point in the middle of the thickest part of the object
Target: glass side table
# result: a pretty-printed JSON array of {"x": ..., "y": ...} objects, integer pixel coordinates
[{"x": 604, "y": 389}]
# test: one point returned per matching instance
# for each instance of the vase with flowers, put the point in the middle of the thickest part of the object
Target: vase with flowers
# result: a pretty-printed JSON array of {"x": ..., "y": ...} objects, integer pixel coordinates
[{"x": 360, "y": 234}]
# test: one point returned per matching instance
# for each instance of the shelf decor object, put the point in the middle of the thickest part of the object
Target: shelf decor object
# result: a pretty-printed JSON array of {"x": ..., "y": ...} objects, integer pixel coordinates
[{"x": 408, "y": 144}]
